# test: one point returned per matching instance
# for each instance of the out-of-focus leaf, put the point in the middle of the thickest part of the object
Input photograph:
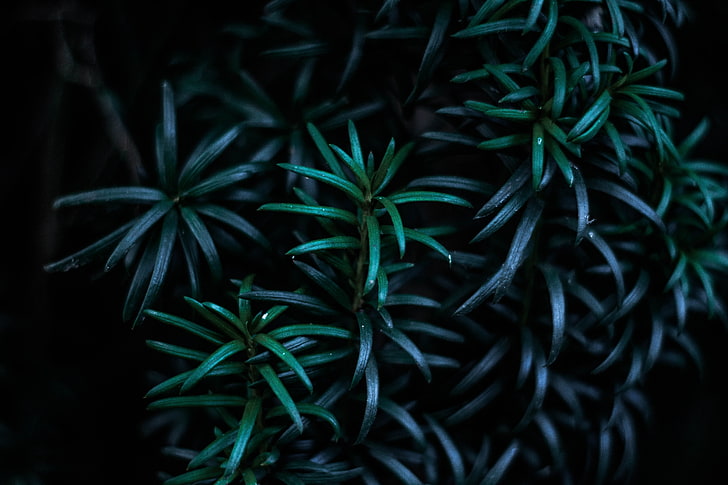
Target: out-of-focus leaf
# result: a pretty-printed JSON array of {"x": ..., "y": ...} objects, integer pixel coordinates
[
  {"x": 451, "y": 450},
  {"x": 482, "y": 367},
  {"x": 410, "y": 347},
  {"x": 433, "y": 50},
  {"x": 366, "y": 336},
  {"x": 558, "y": 310},
  {"x": 306, "y": 302},
  {"x": 548, "y": 31},
  {"x": 202, "y": 157},
  {"x": 499, "y": 469}
]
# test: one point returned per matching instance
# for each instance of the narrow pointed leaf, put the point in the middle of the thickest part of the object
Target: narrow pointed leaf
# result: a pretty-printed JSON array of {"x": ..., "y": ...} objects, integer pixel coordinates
[
  {"x": 405, "y": 419},
  {"x": 287, "y": 357},
  {"x": 397, "y": 224},
  {"x": 558, "y": 310},
  {"x": 371, "y": 377},
  {"x": 481, "y": 369},
  {"x": 247, "y": 425},
  {"x": 325, "y": 244},
  {"x": 428, "y": 196},
  {"x": 401, "y": 339},
  {"x": 537, "y": 155},
  {"x": 188, "y": 326},
  {"x": 204, "y": 239},
  {"x": 126, "y": 195},
  {"x": 141, "y": 225},
  {"x": 374, "y": 246},
  {"x": 167, "y": 154},
  {"x": 306, "y": 302},
  {"x": 496, "y": 473},
  {"x": 220, "y": 355},
  {"x": 325, "y": 150},
  {"x": 620, "y": 193},
  {"x": 205, "y": 400},
  {"x": 366, "y": 339},
  {"x": 433, "y": 50},
  {"x": 340, "y": 183},
  {"x": 451, "y": 450},
  {"x": 333, "y": 213},
  {"x": 230, "y": 218},
  {"x": 203, "y": 157},
  {"x": 282, "y": 394},
  {"x": 389, "y": 167},
  {"x": 548, "y": 31}
]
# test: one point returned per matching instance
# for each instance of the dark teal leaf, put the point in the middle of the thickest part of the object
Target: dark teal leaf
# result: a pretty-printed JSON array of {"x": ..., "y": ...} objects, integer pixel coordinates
[
  {"x": 452, "y": 182},
  {"x": 466, "y": 410},
  {"x": 617, "y": 351},
  {"x": 224, "y": 325},
  {"x": 410, "y": 347},
  {"x": 396, "y": 468},
  {"x": 559, "y": 87},
  {"x": 220, "y": 355},
  {"x": 141, "y": 225},
  {"x": 481, "y": 369},
  {"x": 537, "y": 155},
  {"x": 485, "y": 10},
  {"x": 204, "y": 239},
  {"x": 203, "y": 156},
  {"x": 195, "y": 476},
  {"x": 223, "y": 179},
  {"x": 326, "y": 283},
  {"x": 620, "y": 193},
  {"x": 233, "y": 220},
  {"x": 429, "y": 329},
  {"x": 494, "y": 27},
  {"x": 140, "y": 282},
  {"x": 167, "y": 238},
  {"x": 451, "y": 450},
  {"x": 422, "y": 238},
  {"x": 306, "y": 302},
  {"x": 167, "y": 143},
  {"x": 371, "y": 378},
  {"x": 405, "y": 419},
  {"x": 588, "y": 39},
  {"x": 127, "y": 195},
  {"x": 582, "y": 205},
  {"x": 313, "y": 410},
  {"x": 551, "y": 437},
  {"x": 279, "y": 389},
  {"x": 591, "y": 115},
  {"x": 412, "y": 300},
  {"x": 85, "y": 255},
  {"x": 517, "y": 180},
  {"x": 558, "y": 310},
  {"x": 177, "y": 351},
  {"x": 603, "y": 247},
  {"x": 433, "y": 51},
  {"x": 191, "y": 327},
  {"x": 451, "y": 138},
  {"x": 507, "y": 212},
  {"x": 366, "y": 339},
  {"x": 501, "y": 466}
]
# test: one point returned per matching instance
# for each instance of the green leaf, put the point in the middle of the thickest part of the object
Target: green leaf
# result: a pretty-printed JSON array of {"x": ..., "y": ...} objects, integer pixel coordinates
[
  {"x": 588, "y": 39},
  {"x": 223, "y": 324},
  {"x": 325, "y": 150},
  {"x": 309, "y": 329},
  {"x": 427, "y": 196},
  {"x": 510, "y": 114},
  {"x": 561, "y": 161},
  {"x": 333, "y": 213},
  {"x": 313, "y": 410},
  {"x": 559, "y": 98},
  {"x": 371, "y": 377},
  {"x": 389, "y": 167},
  {"x": 218, "y": 356},
  {"x": 282, "y": 394},
  {"x": 452, "y": 182},
  {"x": 247, "y": 425},
  {"x": 177, "y": 351},
  {"x": 537, "y": 158},
  {"x": 203, "y": 156},
  {"x": 374, "y": 246},
  {"x": 467, "y": 410},
  {"x": 517, "y": 180},
  {"x": 366, "y": 339},
  {"x": 141, "y": 225},
  {"x": 548, "y": 31},
  {"x": 340, "y": 183},
  {"x": 411, "y": 300},
  {"x": 397, "y": 225},
  {"x": 325, "y": 244},
  {"x": 591, "y": 115},
  {"x": 582, "y": 205},
  {"x": 287, "y": 357},
  {"x": 507, "y": 141},
  {"x": 606, "y": 251},
  {"x": 422, "y": 238}
]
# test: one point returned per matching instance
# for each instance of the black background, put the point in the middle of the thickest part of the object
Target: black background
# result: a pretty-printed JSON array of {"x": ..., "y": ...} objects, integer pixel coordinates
[{"x": 72, "y": 377}]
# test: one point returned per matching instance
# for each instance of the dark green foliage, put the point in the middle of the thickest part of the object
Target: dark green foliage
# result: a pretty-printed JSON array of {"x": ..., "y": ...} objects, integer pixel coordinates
[{"x": 477, "y": 302}]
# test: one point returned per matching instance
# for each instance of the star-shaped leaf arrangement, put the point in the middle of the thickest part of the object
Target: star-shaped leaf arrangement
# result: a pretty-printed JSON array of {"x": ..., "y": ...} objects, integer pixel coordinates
[{"x": 180, "y": 211}]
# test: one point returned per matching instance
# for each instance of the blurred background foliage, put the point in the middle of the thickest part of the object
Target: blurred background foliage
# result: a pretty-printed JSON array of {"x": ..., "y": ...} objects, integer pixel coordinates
[{"x": 81, "y": 80}]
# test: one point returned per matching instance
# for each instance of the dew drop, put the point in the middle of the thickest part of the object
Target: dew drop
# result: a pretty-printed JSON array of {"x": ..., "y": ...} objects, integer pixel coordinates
[
  {"x": 539, "y": 140},
  {"x": 264, "y": 316}
]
